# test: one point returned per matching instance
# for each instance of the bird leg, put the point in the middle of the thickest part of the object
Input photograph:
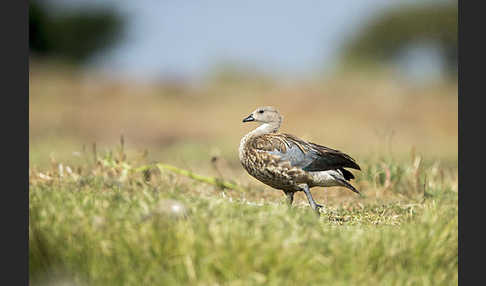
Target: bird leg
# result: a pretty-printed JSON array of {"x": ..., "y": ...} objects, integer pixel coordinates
[
  {"x": 290, "y": 197},
  {"x": 312, "y": 203}
]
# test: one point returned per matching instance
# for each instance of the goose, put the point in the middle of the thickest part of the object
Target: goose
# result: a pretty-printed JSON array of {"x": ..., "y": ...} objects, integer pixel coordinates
[{"x": 285, "y": 162}]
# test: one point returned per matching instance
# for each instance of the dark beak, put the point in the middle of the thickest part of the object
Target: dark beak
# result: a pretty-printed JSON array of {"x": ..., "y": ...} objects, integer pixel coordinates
[{"x": 249, "y": 118}]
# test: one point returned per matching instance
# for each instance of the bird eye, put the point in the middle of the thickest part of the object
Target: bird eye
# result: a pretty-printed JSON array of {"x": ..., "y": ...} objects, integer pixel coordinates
[{"x": 260, "y": 111}]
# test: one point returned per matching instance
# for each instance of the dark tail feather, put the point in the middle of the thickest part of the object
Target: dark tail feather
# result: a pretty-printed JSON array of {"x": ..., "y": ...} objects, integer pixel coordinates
[
  {"x": 346, "y": 184},
  {"x": 349, "y": 186},
  {"x": 347, "y": 174}
]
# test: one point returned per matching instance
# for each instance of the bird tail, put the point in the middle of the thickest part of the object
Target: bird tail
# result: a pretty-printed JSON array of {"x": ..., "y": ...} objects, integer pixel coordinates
[
  {"x": 346, "y": 174},
  {"x": 349, "y": 186},
  {"x": 343, "y": 181}
]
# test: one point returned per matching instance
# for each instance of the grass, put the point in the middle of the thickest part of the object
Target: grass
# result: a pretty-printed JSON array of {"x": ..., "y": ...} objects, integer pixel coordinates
[
  {"x": 104, "y": 215},
  {"x": 109, "y": 223}
]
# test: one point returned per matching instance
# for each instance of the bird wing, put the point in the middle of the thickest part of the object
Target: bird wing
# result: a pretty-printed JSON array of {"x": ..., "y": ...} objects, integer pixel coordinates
[{"x": 305, "y": 155}]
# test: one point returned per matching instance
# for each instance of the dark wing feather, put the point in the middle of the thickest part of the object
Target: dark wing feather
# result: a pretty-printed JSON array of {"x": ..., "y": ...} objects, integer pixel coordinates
[
  {"x": 330, "y": 159},
  {"x": 346, "y": 174},
  {"x": 308, "y": 156}
]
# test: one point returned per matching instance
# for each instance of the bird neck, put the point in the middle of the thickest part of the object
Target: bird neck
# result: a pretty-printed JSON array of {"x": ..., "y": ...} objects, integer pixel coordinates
[{"x": 265, "y": 128}]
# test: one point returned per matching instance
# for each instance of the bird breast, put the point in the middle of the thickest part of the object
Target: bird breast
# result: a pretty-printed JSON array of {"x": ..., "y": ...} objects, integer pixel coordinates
[{"x": 268, "y": 168}]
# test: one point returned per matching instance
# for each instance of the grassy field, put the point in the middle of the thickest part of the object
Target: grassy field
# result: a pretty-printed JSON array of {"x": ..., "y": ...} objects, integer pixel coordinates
[{"x": 105, "y": 214}]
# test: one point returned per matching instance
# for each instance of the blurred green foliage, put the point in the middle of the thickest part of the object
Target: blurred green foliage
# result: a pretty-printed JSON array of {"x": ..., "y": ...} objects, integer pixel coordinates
[
  {"x": 388, "y": 34},
  {"x": 72, "y": 36}
]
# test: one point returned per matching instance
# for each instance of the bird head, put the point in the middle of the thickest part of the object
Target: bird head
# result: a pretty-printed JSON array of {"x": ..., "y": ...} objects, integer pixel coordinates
[{"x": 265, "y": 114}]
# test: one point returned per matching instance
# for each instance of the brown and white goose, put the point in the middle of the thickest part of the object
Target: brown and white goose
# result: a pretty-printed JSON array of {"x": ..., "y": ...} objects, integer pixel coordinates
[{"x": 288, "y": 163}]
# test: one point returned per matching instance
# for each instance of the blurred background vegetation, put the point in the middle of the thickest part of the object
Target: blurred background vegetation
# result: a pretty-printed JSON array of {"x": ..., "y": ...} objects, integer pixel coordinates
[
  {"x": 393, "y": 33},
  {"x": 394, "y": 87},
  {"x": 73, "y": 36}
]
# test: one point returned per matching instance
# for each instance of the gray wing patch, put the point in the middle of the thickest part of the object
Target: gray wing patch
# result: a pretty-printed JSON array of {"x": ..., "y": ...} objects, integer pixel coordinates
[
  {"x": 312, "y": 160},
  {"x": 295, "y": 156}
]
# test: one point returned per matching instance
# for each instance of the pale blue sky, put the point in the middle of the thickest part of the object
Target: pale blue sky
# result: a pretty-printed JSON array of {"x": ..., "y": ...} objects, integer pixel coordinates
[{"x": 188, "y": 38}]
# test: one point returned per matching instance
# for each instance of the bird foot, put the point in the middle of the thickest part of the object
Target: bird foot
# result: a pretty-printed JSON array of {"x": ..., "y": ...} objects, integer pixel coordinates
[{"x": 319, "y": 208}]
